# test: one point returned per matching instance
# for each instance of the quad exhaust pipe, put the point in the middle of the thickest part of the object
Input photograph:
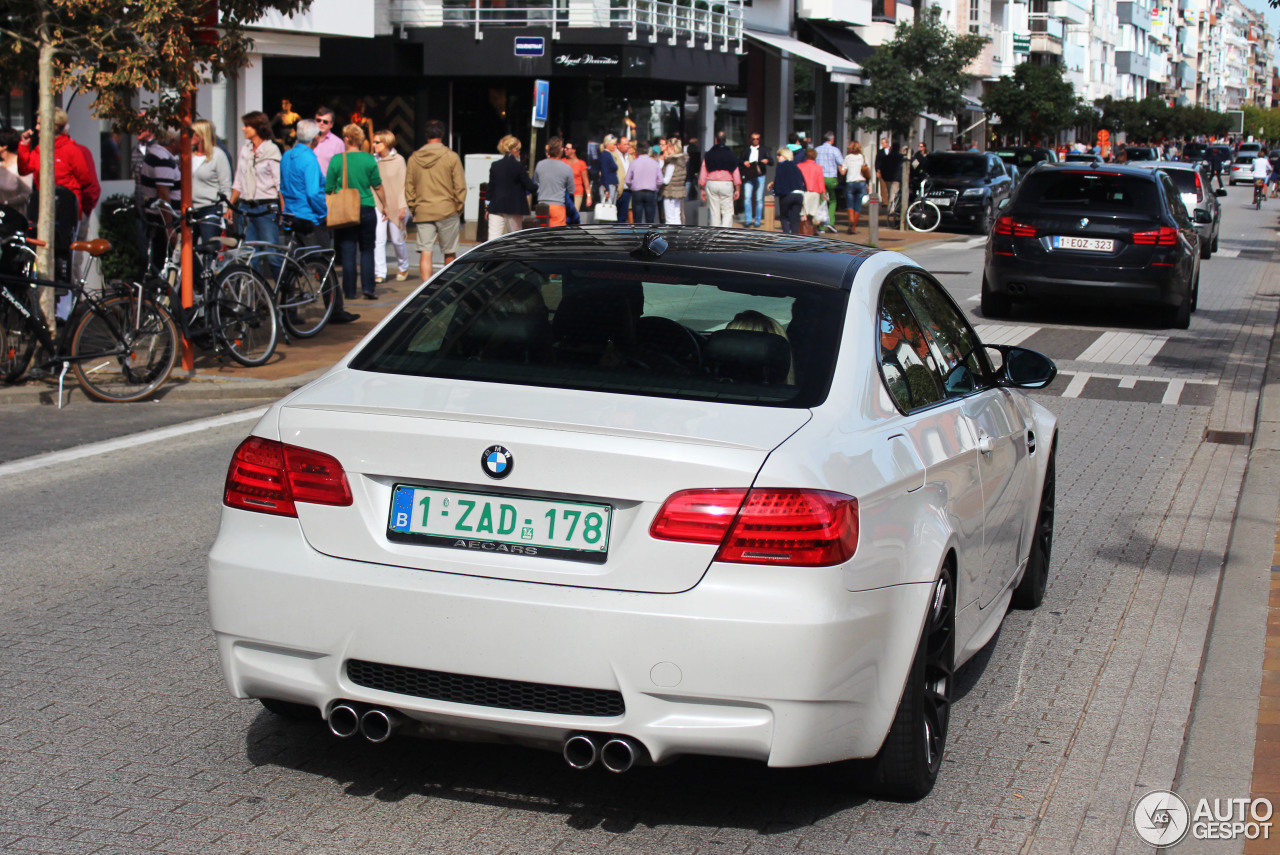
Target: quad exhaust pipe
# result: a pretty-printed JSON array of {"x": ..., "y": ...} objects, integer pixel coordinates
[
  {"x": 615, "y": 753},
  {"x": 375, "y": 724}
]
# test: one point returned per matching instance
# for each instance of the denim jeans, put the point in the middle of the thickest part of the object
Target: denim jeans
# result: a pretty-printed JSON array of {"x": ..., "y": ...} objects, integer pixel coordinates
[
  {"x": 853, "y": 193},
  {"x": 262, "y": 223},
  {"x": 753, "y": 200},
  {"x": 645, "y": 205},
  {"x": 359, "y": 238}
]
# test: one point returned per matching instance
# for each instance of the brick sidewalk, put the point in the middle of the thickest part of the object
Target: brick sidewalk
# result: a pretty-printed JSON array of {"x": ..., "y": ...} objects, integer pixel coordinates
[{"x": 1266, "y": 751}]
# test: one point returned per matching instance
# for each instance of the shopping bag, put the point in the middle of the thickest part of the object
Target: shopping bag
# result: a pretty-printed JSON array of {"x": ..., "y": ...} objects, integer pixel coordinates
[
  {"x": 806, "y": 227},
  {"x": 606, "y": 212},
  {"x": 344, "y": 205}
]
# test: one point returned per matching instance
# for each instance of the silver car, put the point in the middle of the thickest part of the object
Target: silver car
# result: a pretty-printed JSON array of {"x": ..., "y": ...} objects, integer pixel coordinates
[{"x": 1192, "y": 180}]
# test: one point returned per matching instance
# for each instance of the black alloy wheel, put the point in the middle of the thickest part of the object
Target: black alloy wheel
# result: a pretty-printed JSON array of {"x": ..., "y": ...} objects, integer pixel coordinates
[
  {"x": 1030, "y": 591},
  {"x": 909, "y": 761},
  {"x": 982, "y": 225}
]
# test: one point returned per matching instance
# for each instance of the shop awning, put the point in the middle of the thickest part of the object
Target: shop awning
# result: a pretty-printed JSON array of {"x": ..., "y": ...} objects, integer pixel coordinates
[
  {"x": 839, "y": 39},
  {"x": 796, "y": 48},
  {"x": 973, "y": 104},
  {"x": 940, "y": 121}
]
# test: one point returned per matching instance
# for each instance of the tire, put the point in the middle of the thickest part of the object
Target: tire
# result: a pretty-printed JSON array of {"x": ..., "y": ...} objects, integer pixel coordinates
[
  {"x": 1205, "y": 250},
  {"x": 114, "y": 359},
  {"x": 1214, "y": 248},
  {"x": 983, "y": 226},
  {"x": 244, "y": 315},
  {"x": 995, "y": 305},
  {"x": 923, "y": 216},
  {"x": 1195, "y": 293},
  {"x": 17, "y": 342},
  {"x": 908, "y": 763},
  {"x": 1030, "y": 591},
  {"x": 1179, "y": 317},
  {"x": 306, "y": 302},
  {"x": 288, "y": 709}
]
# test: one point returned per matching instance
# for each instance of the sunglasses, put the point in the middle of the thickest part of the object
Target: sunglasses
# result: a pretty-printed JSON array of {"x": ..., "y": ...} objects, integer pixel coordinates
[{"x": 320, "y": 121}]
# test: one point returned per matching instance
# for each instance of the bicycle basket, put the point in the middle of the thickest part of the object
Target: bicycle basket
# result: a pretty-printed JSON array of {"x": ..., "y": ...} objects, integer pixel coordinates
[{"x": 13, "y": 261}]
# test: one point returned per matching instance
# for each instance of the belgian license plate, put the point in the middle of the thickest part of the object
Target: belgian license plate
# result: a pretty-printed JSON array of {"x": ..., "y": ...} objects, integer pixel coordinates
[
  {"x": 513, "y": 525},
  {"x": 1087, "y": 244},
  {"x": 942, "y": 201}
]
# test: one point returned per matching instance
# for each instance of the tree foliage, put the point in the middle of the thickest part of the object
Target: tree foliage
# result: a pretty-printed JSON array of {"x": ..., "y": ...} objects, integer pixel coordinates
[
  {"x": 114, "y": 48},
  {"x": 921, "y": 69},
  {"x": 1036, "y": 102},
  {"x": 1152, "y": 119}
]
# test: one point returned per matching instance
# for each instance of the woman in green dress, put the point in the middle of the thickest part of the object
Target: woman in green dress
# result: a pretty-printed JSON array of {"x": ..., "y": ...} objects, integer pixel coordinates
[{"x": 362, "y": 174}]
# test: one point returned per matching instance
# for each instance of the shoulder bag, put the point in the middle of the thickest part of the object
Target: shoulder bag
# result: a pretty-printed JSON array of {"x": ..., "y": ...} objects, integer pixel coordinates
[{"x": 344, "y": 206}]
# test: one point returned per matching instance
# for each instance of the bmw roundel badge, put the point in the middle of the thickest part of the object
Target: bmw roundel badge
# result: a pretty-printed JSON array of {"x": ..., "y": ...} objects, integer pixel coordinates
[{"x": 497, "y": 462}]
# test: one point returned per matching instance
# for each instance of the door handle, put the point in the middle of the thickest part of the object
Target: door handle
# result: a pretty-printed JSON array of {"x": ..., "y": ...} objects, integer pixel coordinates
[{"x": 985, "y": 445}]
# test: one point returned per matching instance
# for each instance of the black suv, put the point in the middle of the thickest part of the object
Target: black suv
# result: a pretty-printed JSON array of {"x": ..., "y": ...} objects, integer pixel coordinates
[
  {"x": 967, "y": 187},
  {"x": 1105, "y": 232}
]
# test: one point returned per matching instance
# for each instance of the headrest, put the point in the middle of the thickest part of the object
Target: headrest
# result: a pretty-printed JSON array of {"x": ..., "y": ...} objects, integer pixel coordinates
[{"x": 747, "y": 356}]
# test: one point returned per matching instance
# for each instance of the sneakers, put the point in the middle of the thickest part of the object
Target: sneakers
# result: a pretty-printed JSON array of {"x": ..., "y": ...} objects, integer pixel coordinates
[
  {"x": 402, "y": 275},
  {"x": 378, "y": 280}
]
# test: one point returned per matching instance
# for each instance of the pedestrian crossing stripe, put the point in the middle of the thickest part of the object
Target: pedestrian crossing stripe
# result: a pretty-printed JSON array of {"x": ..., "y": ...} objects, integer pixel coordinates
[
  {"x": 1004, "y": 333},
  {"x": 1174, "y": 387},
  {"x": 1113, "y": 348}
]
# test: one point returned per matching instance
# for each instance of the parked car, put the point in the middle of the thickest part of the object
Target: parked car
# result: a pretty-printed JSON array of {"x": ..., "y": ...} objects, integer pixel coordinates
[
  {"x": 967, "y": 187},
  {"x": 1194, "y": 152},
  {"x": 1135, "y": 153},
  {"x": 629, "y": 493},
  {"x": 1249, "y": 148},
  {"x": 1242, "y": 168},
  {"x": 1201, "y": 200},
  {"x": 1106, "y": 232}
]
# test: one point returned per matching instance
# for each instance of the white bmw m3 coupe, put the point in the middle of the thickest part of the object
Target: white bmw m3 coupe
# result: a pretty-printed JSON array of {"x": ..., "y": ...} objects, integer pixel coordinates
[{"x": 636, "y": 492}]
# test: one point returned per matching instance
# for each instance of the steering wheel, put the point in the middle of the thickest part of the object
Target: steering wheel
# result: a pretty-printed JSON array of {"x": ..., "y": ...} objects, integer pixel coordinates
[{"x": 671, "y": 339}]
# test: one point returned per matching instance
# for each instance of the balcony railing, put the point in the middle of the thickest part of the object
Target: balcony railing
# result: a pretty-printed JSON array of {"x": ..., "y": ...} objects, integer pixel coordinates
[
  {"x": 1046, "y": 33},
  {"x": 693, "y": 20}
]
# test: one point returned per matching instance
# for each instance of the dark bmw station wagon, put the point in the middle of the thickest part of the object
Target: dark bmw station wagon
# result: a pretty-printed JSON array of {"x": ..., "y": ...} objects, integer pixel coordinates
[{"x": 1094, "y": 232}]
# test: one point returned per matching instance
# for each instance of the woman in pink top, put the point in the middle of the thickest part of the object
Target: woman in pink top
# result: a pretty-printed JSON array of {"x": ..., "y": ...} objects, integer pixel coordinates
[{"x": 815, "y": 186}]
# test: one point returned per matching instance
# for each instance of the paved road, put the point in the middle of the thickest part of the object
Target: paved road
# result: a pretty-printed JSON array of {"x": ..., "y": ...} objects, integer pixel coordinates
[{"x": 116, "y": 734}]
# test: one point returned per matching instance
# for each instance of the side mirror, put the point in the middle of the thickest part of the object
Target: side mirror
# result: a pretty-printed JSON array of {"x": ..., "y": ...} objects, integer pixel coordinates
[
  {"x": 1004, "y": 203},
  {"x": 1023, "y": 368},
  {"x": 1201, "y": 216},
  {"x": 1221, "y": 191}
]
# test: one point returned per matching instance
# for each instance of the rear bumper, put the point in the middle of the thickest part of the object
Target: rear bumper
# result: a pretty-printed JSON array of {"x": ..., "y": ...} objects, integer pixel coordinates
[
  {"x": 1028, "y": 280},
  {"x": 738, "y": 666}
]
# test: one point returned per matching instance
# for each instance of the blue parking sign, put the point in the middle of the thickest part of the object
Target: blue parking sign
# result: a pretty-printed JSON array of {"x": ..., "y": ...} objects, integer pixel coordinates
[{"x": 541, "y": 98}]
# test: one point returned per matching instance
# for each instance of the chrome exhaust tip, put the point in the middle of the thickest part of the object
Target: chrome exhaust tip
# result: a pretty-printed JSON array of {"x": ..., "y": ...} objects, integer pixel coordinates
[
  {"x": 618, "y": 754},
  {"x": 377, "y": 725},
  {"x": 580, "y": 752},
  {"x": 344, "y": 721}
]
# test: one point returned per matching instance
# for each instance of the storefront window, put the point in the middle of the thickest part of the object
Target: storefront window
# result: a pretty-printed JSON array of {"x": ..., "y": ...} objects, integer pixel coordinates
[{"x": 806, "y": 95}]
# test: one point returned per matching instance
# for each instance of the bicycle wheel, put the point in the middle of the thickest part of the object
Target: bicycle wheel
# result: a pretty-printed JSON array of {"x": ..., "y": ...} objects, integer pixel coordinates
[
  {"x": 243, "y": 315},
  {"x": 17, "y": 342},
  {"x": 923, "y": 216},
  {"x": 124, "y": 349},
  {"x": 306, "y": 300}
]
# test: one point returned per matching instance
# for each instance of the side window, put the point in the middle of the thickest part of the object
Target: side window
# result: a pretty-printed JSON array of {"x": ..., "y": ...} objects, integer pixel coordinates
[
  {"x": 905, "y": 360},
  {"x": 1174, "y": 200},
  {"x": 994, "y": 169},
  {"x": 953, "y": 343}
]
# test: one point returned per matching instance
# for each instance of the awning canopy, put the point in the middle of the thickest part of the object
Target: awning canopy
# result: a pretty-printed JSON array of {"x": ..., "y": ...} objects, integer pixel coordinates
[
  {"x": 940, "y": 121},
  {"x": 839, "y": 39},
  {"x": 973, "y": 104},
  {"x": 796, "y": 48}
]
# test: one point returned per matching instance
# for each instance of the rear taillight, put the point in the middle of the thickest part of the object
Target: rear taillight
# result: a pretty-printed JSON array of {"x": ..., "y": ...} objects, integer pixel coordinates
[
  {"x": 1008, "y": 226},
  {"x": 269, "y": 476},
  {"x": 806, "y": 528},
  {"x": 1163, "y": 236}
]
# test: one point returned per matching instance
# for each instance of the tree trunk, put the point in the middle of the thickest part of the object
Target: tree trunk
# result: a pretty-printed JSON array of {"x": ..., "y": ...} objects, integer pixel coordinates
[{"x": 48, "y": 185}]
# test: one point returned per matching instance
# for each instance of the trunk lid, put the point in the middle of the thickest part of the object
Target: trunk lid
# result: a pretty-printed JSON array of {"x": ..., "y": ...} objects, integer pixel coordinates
[{"x": 627, "y": 453}]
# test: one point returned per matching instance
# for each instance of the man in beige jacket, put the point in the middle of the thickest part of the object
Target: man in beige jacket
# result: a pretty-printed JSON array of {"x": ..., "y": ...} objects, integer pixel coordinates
[{"x": 435, "y": 189}]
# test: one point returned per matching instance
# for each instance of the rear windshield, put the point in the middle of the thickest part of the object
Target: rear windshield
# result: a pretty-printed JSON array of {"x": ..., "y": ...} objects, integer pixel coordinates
[
  {"x": 1185, "y": 181},
  {"x": 1023, "y": 158},
  {"x": 950, "y": 166},
  {"x": 636, "y": 329},
  {"x": 1140, "y": 153},
  {"x": 1091, "y": 191}
]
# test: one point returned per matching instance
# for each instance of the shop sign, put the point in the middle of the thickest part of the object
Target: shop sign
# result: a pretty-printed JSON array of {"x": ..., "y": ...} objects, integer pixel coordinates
[
  {"x": 1021, "y": 43},
  {"x": 530, "y": 46},
  {"x": 586, "y": 60}
]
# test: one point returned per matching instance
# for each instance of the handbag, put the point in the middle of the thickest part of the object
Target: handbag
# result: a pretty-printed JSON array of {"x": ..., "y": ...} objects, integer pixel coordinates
[
  {"x": 866, "y": 172},
  {"x": 606, "y": 212},
  {"x": 806, "y": 227},
  {"x": 344, "y": 206}
]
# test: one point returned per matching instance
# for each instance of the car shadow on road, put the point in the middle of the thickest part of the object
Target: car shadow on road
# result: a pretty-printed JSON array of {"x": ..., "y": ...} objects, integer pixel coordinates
[{"x": 709, "y": 793}]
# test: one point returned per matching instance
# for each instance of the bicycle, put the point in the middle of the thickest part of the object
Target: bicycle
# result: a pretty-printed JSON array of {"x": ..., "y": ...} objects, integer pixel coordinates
[
  {"x": 1259, "y": 192},
  {"x": 233, "y": 310},
  {"x": 305, "y": 282},
  {"x": 121, "y": 345},
  {"x": 923, "y": 215}
]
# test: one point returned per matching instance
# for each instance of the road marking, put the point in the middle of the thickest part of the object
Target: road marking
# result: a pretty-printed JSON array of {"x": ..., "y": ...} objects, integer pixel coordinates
[
  {"x": 1227, "y": 253},
  {"x": 94, "y": 449},
  {"x": 971, "y": 243},
  {"x": 1172, "y": 394},
  {"x": 1076, "y": 386},
  {"x": 1004, "y": 333},
  {"x": 1124, "y": 348}
]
